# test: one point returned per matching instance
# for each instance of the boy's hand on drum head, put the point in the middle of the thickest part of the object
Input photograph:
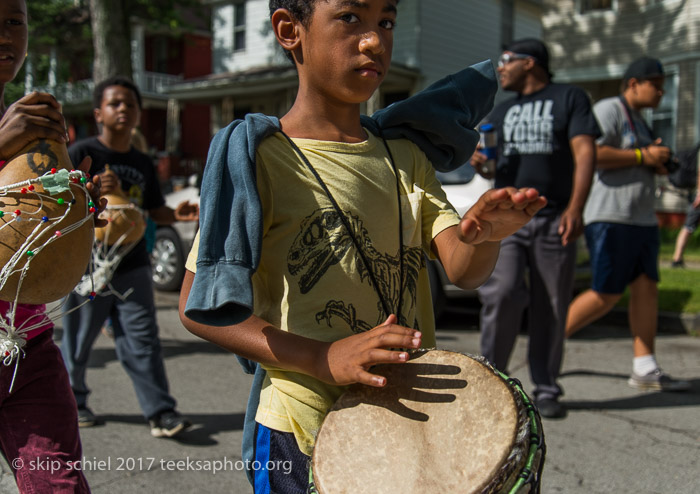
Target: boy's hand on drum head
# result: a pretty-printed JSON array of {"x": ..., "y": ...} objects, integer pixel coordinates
[
  {"x": 348, "y": 361},
  {"x": 33, "y": 117},
  {"x": 110, "y": 182},
  {"x": 499, "y": 213}
]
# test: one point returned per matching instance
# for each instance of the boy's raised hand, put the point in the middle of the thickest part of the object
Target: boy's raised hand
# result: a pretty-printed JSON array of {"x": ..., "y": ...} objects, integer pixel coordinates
[
  {"x": 348, "y": 361},
  {"x": 32, "y": 117},
  {"x": 499, "y": 213},
  {"x": 187, "y": 211}
]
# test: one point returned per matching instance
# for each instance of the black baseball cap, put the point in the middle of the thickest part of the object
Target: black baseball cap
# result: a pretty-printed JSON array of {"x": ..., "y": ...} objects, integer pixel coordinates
[
  {"x": 532, "y": 47},
  {"x": 644, "y": 68}
]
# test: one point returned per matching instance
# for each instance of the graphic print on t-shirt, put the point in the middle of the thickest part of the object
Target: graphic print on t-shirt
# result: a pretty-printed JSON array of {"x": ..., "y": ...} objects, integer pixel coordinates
[
  {"x": 529, "y": 128},
  {"x": 132, "y": 180},
  {"x": 323, "y": 241}
]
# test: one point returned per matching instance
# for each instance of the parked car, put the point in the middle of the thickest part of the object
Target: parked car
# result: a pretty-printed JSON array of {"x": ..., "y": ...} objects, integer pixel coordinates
[
  {"x": 463, "y": 187},
  {"x": 173, "y": 242}
]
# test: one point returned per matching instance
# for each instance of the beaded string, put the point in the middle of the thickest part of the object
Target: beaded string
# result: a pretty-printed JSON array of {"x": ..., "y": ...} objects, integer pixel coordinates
[
  {"x": 13, "y": 339},
  {"x": 106, "y": 259}
]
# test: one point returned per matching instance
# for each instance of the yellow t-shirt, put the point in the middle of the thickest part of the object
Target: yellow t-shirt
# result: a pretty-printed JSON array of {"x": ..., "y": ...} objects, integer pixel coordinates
[{"x": 311, "y": 280}]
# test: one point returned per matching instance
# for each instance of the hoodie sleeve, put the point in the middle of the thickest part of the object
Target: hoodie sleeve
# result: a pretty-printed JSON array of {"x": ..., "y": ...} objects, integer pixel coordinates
[
  {"x": 230, "y": 225},
  {"x": 441, "y": 119}
]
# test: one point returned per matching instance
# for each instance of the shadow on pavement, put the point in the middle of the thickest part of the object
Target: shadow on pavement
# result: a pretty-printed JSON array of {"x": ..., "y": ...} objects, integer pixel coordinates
[
  {"x": 652, "y": 399},
  {"x": 204, "y": 426},
  {"x": 100, "y": 357}
]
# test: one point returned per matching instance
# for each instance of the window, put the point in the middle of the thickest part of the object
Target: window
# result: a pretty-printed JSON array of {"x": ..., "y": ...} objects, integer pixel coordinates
[
  {"x": 586, "y": 6},
  {"x": 239, "y": 26}
]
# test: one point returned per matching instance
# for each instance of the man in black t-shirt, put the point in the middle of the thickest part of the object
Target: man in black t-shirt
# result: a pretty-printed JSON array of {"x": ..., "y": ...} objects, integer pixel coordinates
[
  {"x": 117, "y": 107},
  {"x": 546, "y": 141}
]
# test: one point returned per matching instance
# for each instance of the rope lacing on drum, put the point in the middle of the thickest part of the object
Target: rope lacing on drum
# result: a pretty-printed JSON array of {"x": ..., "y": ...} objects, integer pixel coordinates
[
  {"x": 13, "y": 340},
  {"x": 527, "y": 475},
  {"x": 53, "y": 182},
  {"x": 106, "y": 257}
]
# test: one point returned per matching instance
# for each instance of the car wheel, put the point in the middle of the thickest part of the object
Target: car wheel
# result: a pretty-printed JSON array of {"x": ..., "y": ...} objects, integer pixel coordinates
[
  {"x": 436, "y": 291},
  {"x": 167, "y": 260}
]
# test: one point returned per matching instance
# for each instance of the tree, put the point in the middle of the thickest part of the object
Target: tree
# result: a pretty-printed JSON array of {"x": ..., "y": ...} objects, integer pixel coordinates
[
  {"x": 110, "y": 20},
  {"x": 111, "y": 39}
]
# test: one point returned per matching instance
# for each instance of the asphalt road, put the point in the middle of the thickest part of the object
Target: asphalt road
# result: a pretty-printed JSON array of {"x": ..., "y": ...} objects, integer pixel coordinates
[{"x": 614, "y": 440}]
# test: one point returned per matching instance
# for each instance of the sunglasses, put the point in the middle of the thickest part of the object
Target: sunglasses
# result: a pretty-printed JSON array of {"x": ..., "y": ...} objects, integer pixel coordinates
[{"x": 506, "y": 58}]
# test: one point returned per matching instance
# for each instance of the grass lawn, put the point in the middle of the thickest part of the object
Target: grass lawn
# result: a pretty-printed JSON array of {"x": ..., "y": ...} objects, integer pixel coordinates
[{"x": 679, "y": 289}]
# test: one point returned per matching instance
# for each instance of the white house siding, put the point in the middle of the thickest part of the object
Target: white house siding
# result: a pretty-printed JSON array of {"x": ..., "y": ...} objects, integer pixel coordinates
[
  {"x": 457, "y": 33},
  {"x": 261, "y": 46},
  {"x": 594, "y": 49},
  {"x": 407, "y": 34},
  {"x": 588, "y": 46},
  {"x": 528, "y": 21}
]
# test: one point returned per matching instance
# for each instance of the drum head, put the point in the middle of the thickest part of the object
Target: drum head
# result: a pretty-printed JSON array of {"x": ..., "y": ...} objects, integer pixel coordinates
[{"x": 444, "y": 422}]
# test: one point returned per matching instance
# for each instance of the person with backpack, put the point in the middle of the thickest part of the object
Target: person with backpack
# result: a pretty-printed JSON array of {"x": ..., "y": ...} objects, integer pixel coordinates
[{"x": 621, "y": 230}]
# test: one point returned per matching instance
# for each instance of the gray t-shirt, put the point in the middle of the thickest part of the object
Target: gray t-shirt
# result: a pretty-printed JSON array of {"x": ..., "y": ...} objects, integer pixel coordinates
[{"x": 622, "y": 195}]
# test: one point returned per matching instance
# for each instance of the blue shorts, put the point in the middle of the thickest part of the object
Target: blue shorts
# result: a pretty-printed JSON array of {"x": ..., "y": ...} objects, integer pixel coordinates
[
  {"x": 620, "y": 253},
  {"x": 692, "y": 218},
  {"x": 279, "y": 466}
]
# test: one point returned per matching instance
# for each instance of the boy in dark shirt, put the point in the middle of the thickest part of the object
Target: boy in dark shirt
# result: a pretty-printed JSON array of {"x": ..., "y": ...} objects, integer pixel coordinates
[{"x": 117, "y": 107}]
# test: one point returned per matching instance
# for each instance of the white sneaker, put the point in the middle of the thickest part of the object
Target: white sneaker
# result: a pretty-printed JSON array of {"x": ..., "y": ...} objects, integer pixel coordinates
[{"x": 657, "y": 380}]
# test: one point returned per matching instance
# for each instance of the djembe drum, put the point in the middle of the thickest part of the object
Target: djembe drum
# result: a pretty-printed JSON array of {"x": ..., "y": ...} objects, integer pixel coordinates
[
  {"x": 126, "y": 225},
  {"x": 444, "y": 422},
  {"x": 46, "y": 225}
]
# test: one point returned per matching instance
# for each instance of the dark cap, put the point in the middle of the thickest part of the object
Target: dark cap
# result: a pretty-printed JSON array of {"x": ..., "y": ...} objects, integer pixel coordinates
[
  {"x": 534, "y": 48},
  {"x": 644, "y": 68}
]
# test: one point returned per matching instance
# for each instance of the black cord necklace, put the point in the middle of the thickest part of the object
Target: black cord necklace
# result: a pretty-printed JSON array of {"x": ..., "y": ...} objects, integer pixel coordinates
[{"x": 358, "y": 246}]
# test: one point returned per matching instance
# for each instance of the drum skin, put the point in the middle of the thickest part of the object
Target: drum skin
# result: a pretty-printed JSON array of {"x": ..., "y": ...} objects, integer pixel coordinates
[
  {"x": 57, "y": 268},
  {"x": 126, "y": 222},
  {"x": 444, "y": 422}
]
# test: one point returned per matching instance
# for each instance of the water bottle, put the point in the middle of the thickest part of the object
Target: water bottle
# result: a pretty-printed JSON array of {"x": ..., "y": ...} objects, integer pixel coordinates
[{"x": 489, "y": 145}]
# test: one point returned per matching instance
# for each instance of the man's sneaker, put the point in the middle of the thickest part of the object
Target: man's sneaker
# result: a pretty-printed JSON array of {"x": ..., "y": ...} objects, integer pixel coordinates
[
  {"x": 168, "y": 424},
  {"x": 678, "y": 264},
  {"x": 657, "y": 380},
  {"x": 86, "y": 418},
  {"x": 550, "y": 408}
]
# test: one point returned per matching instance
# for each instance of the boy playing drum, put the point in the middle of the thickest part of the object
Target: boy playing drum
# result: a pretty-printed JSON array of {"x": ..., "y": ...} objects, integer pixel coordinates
[{"x": 345, "y": 219}]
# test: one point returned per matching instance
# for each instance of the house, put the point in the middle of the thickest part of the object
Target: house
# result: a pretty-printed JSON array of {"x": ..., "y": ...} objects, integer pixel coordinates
[
  {"x": 592, "y": 41},
  {"x": 160, "y": 58},
  {"x": 196, "y": 83},
  {"x": 432, "y": 38}
]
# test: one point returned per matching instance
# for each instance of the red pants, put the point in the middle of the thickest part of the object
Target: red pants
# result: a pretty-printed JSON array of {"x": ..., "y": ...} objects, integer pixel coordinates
[{"x": 39, "y": 421}]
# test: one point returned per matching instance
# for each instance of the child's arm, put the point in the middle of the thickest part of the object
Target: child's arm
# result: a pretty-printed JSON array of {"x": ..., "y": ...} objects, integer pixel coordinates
[
  {"x": 340, "y": 362},
  {"x": 468, "y": 251},
  {"x": 33, "y": 117},
  {"x": 185, "y": 211}
]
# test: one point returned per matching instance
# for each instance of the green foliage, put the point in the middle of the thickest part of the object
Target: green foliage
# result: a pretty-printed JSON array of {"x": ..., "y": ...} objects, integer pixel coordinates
[
  {"x": 679, "y": 291},
  {"x": 66, "y": 26},
  {"x": 668, "y": 243},
  {"x": 52, "y": 22},
  {"x": 173, "y": 14}
]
